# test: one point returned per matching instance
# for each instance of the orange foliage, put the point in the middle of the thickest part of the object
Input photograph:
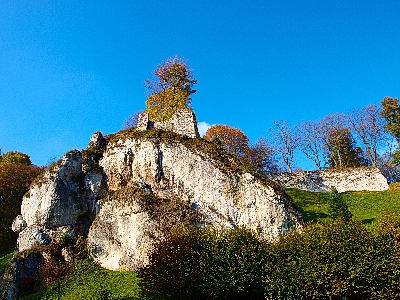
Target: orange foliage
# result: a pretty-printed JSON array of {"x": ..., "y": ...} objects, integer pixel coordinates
[{"x": 233, "y": 139}]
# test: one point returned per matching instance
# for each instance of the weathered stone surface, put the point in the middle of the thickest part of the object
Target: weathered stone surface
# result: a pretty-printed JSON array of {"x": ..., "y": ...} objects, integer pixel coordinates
[
  {"x": 54, "y": 199},
  {"x": 18, "y": 224},
  {"x": 97, "y": 141},
  {"x": 226, "y": 199},
  {"x": 356, "y": 179},
  {"x": 72, "y": 197},
  {"x": 30, "y": 237},
  {"x": 182, "y": 122},
  {"x": 119, "y": 237},
  {"x": 25, "y": 265}
]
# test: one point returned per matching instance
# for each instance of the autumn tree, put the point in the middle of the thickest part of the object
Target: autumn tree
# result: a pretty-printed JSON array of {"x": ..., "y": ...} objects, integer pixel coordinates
[
  {"x": 170, "y": 90},
  {"x": 15, "y": 158},
  {"x": 233, "y": 139},
  {"x": 261, "y": 155},
  {"x": 16, "y": 174},
  {"x": 369, "y": 128},
  {"x": 342, "y": 152},
  {"x": 286, "y": 141}
]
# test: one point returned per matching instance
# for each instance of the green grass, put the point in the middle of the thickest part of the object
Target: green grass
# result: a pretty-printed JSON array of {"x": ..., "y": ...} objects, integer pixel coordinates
[
  {"x": 365, "y": 206},
  {"x": 4, "y": 260},
  {"x": 89, "y": 281}
]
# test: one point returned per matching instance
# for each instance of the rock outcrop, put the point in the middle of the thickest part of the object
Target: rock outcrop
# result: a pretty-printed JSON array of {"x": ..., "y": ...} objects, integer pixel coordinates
[
  {"x": 120, "y": 193},
  {"x": 352, "y": 179},
  {"x": 225, "y": 198}
]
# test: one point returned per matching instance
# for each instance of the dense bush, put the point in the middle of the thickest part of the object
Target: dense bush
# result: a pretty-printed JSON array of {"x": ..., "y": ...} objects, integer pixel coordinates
[
  {"x": 338, "y": 260},
  {"x": 206, "y": 264},
  {"x": 15, "y": 179}
]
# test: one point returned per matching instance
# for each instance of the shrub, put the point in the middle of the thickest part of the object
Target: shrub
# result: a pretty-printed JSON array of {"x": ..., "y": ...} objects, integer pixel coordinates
[
  {"x": 337, "y": 206},
  {"x": 336, "y": 260},
  {"x": 205, "y": 263}
]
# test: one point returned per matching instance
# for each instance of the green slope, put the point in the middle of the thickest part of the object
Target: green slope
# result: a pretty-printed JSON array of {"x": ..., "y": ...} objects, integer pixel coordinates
[{"x": 365, "y": 206}]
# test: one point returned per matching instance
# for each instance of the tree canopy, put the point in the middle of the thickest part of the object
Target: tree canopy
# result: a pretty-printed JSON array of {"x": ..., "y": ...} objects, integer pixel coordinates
[
  {"x": 233, "y": 139},
  {"x": 14, "y": 158},
  {"x": 16, "y": 174},
  {"x": 170, "y": 90}
]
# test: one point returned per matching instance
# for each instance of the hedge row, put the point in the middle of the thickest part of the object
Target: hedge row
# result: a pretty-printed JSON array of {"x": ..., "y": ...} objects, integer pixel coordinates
[{"x": 339, "y": 260}]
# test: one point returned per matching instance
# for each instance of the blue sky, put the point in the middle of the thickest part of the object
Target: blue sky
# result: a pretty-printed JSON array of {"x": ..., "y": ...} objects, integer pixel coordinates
[{"x": 70, "y": 68}]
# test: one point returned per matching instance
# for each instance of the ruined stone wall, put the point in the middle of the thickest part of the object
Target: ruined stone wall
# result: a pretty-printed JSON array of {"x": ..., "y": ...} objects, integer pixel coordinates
[
  {"x": 182, "y": 122},
  {"x": 355, "y": 179}
]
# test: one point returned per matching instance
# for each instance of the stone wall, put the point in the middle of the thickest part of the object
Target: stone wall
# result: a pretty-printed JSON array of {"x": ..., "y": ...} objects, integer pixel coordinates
[
  {"x": 355, "y": 179},
  {"x": 182, "y": 122}
]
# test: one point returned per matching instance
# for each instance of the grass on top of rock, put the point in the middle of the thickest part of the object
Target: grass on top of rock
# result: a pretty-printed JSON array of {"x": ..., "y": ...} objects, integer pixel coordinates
[
  {"x": 364, "y": 206},
  {"x": 226, "y": 162}
]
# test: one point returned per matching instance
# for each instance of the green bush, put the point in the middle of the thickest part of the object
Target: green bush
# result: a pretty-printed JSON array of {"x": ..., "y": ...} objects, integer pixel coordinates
[
  {"x": 205, "y": 263},
  {"x": 336, "y": 260}
]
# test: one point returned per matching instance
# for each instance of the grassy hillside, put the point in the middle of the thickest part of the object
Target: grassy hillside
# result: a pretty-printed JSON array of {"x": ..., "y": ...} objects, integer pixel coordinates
[{"x": 365, "y": 206}]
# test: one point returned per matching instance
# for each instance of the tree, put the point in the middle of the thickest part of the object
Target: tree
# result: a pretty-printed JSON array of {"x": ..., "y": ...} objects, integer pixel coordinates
[
  {"x": 286, "y": 141},
  {"x": 311, "y": 142},
  {"x": 16, "y": 174},
  {"x": 369, "y": 127},
  {"x": 337, "y": 206},
  {"x": 14, "y": 158},
  {"x": 342, "y": 150},
  {"x": 132, "y": 120},
  {"x": 391, "y": 113},
  {"x": 170, "y": 90},
  {"x": 233, "y": 139},
  {"x": 261, "y": 156}
]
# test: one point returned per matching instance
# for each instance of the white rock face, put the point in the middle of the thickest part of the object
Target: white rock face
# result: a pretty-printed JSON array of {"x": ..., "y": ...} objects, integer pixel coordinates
[
  {"x": 119, "y": 237},
  {"x": 226, "y": 199},
  {"x": 18, "y": 224},
  {"x": 54, "y": 200},
  {"x": 358, "y": 179},
  {"x": 80, "y": 192},
  {"x": 32, "y": 236}
]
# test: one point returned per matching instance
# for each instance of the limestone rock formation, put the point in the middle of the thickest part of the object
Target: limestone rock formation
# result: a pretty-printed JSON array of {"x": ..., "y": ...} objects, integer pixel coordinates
[
  {"x": 225, "y": 198},
  {"x": 356, "y": 179},
  {"x": 118, "y": 185}
]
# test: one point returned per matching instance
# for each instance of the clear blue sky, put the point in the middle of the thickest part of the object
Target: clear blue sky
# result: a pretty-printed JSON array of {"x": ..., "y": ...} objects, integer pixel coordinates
[{"x": 69, "y": 68}]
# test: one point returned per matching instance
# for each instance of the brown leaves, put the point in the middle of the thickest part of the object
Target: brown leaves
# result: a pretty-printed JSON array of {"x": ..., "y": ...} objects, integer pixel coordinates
[{"x": 233, "y": 139}]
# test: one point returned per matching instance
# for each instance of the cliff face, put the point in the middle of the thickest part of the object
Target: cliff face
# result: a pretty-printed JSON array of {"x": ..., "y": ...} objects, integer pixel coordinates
[{"x": 127, "y": 193}]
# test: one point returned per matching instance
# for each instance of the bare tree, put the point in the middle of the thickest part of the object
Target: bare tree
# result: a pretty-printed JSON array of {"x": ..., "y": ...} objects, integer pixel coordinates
[
  {"x": 286, "y": 141},
  {"x": 311, "y": 142},
  {"x": 369, "y": 128}
]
